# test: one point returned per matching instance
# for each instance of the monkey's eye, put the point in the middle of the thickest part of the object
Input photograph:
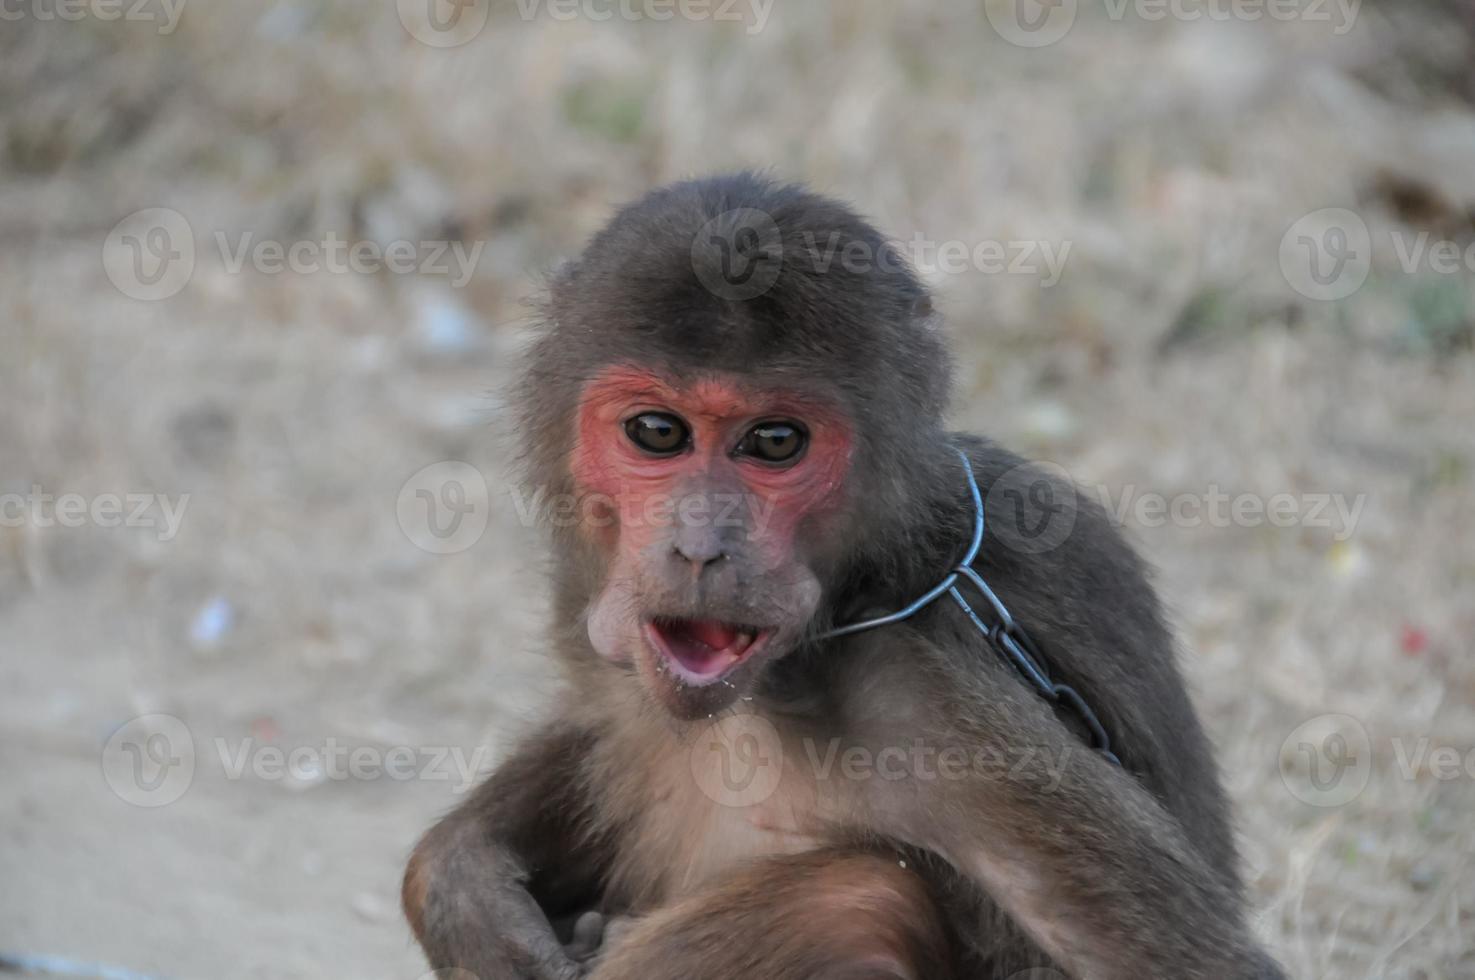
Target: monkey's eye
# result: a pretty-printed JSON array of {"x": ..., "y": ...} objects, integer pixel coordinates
[
  {"x": 658, "y": 433},
  {"x": 773, "y": 442}
]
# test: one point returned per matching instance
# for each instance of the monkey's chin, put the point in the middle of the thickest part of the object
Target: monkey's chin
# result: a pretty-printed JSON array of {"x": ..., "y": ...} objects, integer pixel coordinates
[{"x": 697, "y": 668}]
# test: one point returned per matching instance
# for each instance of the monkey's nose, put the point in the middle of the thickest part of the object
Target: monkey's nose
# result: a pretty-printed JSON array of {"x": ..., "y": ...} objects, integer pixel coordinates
[
  {"x": 699, "y": 550},
  {"x": 699, "y": 555}
]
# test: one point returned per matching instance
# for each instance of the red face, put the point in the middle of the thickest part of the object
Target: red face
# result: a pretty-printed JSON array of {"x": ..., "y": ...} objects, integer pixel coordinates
[{"x": 703, "y": 497}]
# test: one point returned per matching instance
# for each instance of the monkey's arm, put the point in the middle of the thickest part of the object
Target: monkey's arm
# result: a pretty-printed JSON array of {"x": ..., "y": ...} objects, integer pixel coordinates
[
  {"x": 481, "y": 884},
  {"x": 1074, "y": 848}
]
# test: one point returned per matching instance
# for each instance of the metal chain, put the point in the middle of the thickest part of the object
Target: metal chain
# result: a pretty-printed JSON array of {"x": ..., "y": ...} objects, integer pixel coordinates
[{"x": 1004, "y": 634}]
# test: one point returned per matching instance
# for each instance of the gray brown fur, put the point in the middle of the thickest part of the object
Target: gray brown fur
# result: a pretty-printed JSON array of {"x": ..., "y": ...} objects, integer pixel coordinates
[{"x": 1063, "y": 860}]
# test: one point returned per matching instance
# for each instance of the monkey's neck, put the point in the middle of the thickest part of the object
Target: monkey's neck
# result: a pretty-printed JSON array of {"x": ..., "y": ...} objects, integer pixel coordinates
[{"x": 914, "y": 544}]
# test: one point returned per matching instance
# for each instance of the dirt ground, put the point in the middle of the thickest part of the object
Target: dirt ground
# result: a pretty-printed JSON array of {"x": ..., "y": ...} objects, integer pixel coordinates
[{"x": 1180, "y": 354}]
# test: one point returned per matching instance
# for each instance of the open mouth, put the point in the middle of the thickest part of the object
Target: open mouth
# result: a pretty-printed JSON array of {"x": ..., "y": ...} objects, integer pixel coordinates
[{"x": 703, "y": 650}]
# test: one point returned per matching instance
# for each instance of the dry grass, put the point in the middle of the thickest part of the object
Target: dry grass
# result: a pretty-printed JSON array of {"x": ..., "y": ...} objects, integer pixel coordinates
[{"x": 1172, "y": 356}]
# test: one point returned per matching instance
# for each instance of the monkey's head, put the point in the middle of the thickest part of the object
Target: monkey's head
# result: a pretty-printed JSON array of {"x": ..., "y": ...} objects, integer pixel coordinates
[{"x": 739, "y": 388}]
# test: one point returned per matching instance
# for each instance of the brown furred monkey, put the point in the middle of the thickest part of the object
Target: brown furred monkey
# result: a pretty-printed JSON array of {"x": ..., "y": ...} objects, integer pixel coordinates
[{"x": 743, "y": 385}]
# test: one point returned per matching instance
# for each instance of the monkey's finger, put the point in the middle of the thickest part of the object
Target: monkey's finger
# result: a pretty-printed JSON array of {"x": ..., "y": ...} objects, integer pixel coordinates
[
  {"x": 588, "y": 935},
  {"x": 616, "y": 927}
]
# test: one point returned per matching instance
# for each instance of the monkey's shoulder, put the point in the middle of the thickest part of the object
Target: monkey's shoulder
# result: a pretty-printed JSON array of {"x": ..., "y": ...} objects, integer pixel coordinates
[{"x": 1051, "y": 545}]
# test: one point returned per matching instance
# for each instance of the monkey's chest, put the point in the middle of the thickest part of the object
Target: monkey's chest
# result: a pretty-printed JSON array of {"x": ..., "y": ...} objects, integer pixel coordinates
[{"x": 724, "y": 803}]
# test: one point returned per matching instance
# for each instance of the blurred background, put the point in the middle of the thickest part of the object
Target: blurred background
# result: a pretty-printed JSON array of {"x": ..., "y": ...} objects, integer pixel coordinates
[{"x": 265, "y": 268}]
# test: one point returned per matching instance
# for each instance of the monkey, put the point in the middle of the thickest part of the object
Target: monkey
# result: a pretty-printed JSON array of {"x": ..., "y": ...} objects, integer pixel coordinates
[{"x": 755, "y": 431}]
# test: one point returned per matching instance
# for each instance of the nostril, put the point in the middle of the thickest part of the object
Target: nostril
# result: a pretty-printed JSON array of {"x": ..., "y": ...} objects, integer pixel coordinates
[{"x": 699, "y": 555}]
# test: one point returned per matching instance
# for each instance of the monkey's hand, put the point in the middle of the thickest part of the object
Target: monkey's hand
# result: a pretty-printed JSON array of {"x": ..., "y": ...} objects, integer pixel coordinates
[
  {"x": 471, "y": 909},
  {"x": 473, "y": 888}
]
